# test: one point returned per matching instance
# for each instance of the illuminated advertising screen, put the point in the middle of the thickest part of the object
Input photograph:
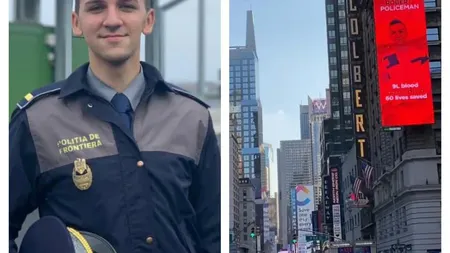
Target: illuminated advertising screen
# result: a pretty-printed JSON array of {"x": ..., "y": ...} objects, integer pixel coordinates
[
  {"x": 403, "y": 63},
  {"x": 305, "y": 205}
]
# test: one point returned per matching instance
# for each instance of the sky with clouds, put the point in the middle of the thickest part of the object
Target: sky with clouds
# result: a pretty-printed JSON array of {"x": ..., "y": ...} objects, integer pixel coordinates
[{"x": 293, "y": 61}]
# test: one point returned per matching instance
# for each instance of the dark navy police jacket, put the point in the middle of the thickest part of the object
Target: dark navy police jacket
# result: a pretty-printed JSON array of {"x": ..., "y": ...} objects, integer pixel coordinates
[{"x": 153, "y": 189}]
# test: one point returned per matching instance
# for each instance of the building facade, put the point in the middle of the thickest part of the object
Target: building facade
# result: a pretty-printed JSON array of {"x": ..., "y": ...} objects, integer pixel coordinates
[
  {"x": 407, "y": 162},
  {"x": 234, "y": 191},
  {"x": 294, "y": 168},
  {"x": 318, "y": 111},
  {"x": 305, "y": 131},
  {"x": 351, "y": 223},
  {"x": 331, "y": 162},
  {"x": 247, "y": 212},
  {"x": 265, "y": 173},
  {"x": 338, "y": 65},
  {"x": 281, "y": 197},
  {"x": 245, "y": 105}
]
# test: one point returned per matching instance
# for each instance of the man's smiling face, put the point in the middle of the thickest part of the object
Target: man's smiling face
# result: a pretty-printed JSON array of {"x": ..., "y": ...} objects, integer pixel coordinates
[{"x": 112, "y": 28}]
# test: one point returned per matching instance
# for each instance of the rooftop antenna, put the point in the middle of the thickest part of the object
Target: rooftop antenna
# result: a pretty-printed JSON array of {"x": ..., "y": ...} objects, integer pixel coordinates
[{"x": 250, "y": 3}]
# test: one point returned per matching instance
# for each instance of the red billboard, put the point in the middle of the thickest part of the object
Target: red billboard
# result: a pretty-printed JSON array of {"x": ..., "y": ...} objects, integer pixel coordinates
[{"x": 403, "y": 63}]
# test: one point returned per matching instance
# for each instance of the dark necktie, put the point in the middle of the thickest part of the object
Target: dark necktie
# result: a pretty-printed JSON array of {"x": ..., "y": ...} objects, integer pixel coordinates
[{"x": 123, "y": 107}]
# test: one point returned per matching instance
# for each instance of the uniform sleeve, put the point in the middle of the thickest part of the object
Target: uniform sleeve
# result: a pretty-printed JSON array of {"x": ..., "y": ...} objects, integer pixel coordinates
[
  {"x": 206, "y": 187},
  {"x": 23, "y": 171}
]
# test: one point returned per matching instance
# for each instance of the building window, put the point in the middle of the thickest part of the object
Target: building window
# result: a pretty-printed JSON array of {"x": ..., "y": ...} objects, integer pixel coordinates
[
  {"x": 345, "y": 69},
  {"x": 430, "y": 3},
  {"x": 336, "y": 115},
  {"x": 333, "y": 60},
  {"x": 439, "y": 172},
  {"x": 331, "y": 21},
  {"x": 346, "y": 95},
  {"x": 342, "y": 14},
  {"x": 433, "y": 34},
  {"x": 335, "y": 101},
  {"x": 344, "y": 54},
  {"x": 333, "y": 73},
  {"x": 405, "y": 218},
  {"x": 331, "y": 34},
  {"x": 435, "y": 66},
  {"x": 348, "y": 123},
  {"x": 332, "y": 47},
  {"x": 330, "y": 8},
  {"x": 347, "y": 110},
  {"x": 343, "y": 27},
  {"x": 335, "y": 88},
  {"x": 346, "y": 87},
  {"x": 343, "y": 41},
  {"x": 341, "y": 2}
]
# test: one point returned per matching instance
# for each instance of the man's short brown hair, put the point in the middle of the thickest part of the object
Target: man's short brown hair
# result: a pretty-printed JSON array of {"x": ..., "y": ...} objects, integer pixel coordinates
[{"x": 148, "y": 5}]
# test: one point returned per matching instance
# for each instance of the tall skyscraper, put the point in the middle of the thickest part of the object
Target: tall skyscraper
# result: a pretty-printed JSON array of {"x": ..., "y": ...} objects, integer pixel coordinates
[
  {"x": 328, "y": 97},
  {"x": 246, "y": 106},
  {"x": 246, "y": 124},
  {"x": 338, "y": 65},
  {"x": 298, "y": 159},
  {"x": 304, "y": 122},
  {"x": 337, "y": 131},
  {"x": 265, "y": 173},
  {"x": 281, "y": 209},
  {"x": 318, "y": 111},
  {"x": 294, "y": 167}
]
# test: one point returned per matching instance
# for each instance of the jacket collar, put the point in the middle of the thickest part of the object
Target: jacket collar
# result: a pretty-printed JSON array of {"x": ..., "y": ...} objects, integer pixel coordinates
[{"x": 77, "y": 81}]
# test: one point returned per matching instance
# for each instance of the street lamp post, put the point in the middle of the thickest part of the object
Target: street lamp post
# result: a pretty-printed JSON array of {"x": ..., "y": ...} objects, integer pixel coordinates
[{"x": 201, "y": 49}]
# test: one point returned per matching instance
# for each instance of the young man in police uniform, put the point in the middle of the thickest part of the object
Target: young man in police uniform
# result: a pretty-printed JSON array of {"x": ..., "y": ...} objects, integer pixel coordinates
[{"x": 115, "y": 150}]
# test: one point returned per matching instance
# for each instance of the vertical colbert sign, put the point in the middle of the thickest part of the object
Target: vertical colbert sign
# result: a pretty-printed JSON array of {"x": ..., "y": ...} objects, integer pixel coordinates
[
  {"x": 403, "y": 63},
  {"x": 357, "y": 77}
]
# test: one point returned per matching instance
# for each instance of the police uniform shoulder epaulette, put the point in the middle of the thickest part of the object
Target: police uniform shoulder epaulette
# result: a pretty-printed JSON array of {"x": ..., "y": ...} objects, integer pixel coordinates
[
  {"x": 187, "y": 94},
  {"x": 38, "y": 94}
]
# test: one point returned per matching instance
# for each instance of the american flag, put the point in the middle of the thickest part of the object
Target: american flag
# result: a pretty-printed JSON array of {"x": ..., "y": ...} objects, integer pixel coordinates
[
  {"x": 357, "y": 186},
  {"x": 367, "y": 172}
]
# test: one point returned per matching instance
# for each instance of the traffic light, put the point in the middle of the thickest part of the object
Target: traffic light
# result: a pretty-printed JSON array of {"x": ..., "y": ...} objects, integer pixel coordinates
[
  {"x": 258, "y": 232},
  {"x": 252, "y": 232},
  {"x": 294, "y": 238}
]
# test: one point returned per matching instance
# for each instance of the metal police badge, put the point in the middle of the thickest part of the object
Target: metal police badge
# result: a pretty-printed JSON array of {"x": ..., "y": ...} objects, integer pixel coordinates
[{"x": 82, "y": 174}]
